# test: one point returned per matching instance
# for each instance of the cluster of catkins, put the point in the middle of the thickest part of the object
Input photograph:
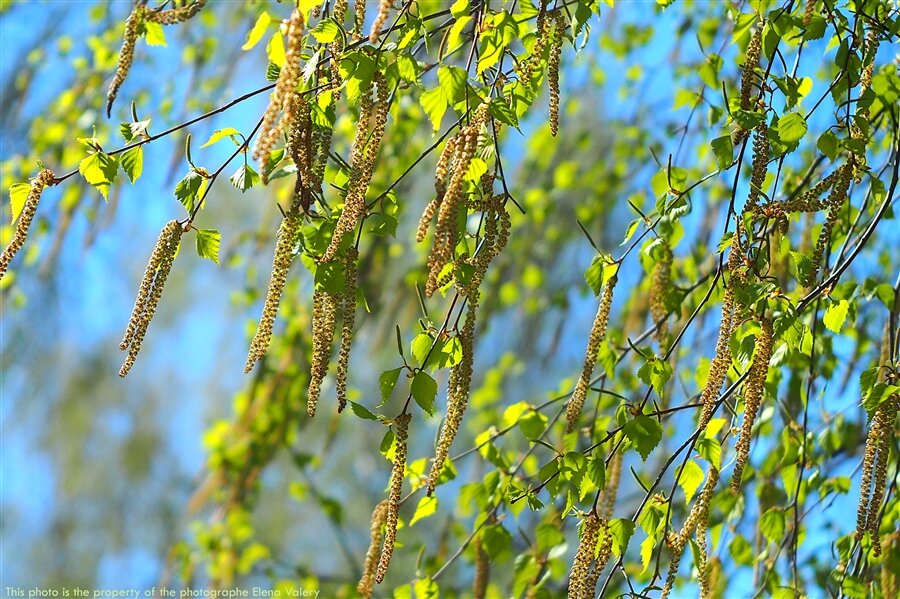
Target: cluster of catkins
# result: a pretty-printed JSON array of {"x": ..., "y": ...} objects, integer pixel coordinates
[
  {"x": 876, "y": 460},
  {"x": 373, "y": 555},
  {"x": 697, "y": 519},
  {"x": 748, "y": 79},
  {"x": 150, "y": 291},
  {"x": 44, "y": 179},
  {"x": 380, "y": 19},
  {"x": 496, "y": 234},
  {"x": 449, "y": 183},
  {"x": 326, "y": 306},
  {"x": 753, "y": 395},
  {"x": 283, "y": 98},
  {"x": 596, "y": 337},
  {"x": 362, "y": 162},
  {"x": 595, "y": 541},
  {"x": 393, "y": 504},
  {"x": 134, "y": 26}
]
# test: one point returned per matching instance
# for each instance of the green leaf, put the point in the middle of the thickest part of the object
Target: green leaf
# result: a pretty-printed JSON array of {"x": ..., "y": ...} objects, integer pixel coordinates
[
  {"x": 621, "y": 530},
  {"x": 362, "y": 411},
  {"x": 601, "y": 269},
  {"x": 723, "y": 150},
  {"x": 245, "y": 177},
  {"x": 854, "y": 588},
  {"x": 155, "y": 34},
  {"x": 645, "y": 433},
  {"x": 420, "y": 346},
  {"x": 100, "y": 170},
  {"x": 220, "y": 134},
  {"x": 326, "y": 31},
  {"x": 188, "y": 189},
  {"x": 689, "y": 478},
  {"x": 655, "y": 372},
  {"x": 836, "y": 315},
  {"x": 426, "y": 507},
  {"x": 435, "y": 105},
  {"x": 747, "y": 119},
  {"x": 208, "y": 241},
  {"x": 791, "y": 127},
  {"x": 772, "y": 524},
  {"x": 828, "y": 144},
  {"x": 424, "y": 390},
  {"x": 18, "y": 195},
  {"x": 258, "y": 31},
  {"x": 710, "y": 450},
  {"x": 133, "y": 163},
  {"x": 387, "y": 381}
]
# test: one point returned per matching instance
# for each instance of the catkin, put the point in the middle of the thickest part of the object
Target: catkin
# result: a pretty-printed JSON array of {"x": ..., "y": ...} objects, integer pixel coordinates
[
  {"x": 323, "y": 320},
  {"x": 808, "y": 12},
  {"x": 362, "y": 163},
  {"x": 397, "y": 472},
  {"x": 748, "y": 73},
  {"x": 348, "y": 315},
  {"x": 379, "y": 517},
  {"x": 542, "y": 37},
  {"x": 150, "y": 291},
  {"x": 584, "y": 555},
  {"x": 835, "y": 201},
  {"x": 598, "y": 333},
  {"x": 460, "y": 380},
  {"x": 753, "y": 394},
  {"x": 482, "y": 571},
  {"x": 553, "y": 70},
  {"x": 283, "y": 97},
  {"x": 885, "y": 417},
  {"x": 698, "y": 516},
  {"x": 44, "y": 178},
  {"x": 760, "y": 162},
  {"x": 126, "y": 54},
  {"x": 380, "y": 19},
  {"x": 176, "y": 15},
  {"x": 659, "y": 287},
  {"x": 281, "y": 264},
  {"x": 359, "y": 15}
]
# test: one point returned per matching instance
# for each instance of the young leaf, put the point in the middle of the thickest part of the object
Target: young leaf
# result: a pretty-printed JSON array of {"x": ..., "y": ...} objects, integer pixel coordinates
[
  {"x": 723, "y": 150},
  {"x": 690, "y": 477},
  {"x": 208, "y": 241},
  {"x": 645, "y": 433},
  {"x": 188, "y": 189},
  {"x": 245, "y": 177},
  {"x": 155, "y": 34},
  {"x": 835, "y": 316},
  {"x": 791, "y": 127},
  {"x": 18, "y": 194},
  {"x": 424, "y": 390},
  {"x": 133, "y": 163},
  {"x": 100, "y": 170},
  {"x": 258, "y": 31},
  {"x": 621, "y": 530},
  {"x": 362, "y": 411},
  {"x": 427, "y": 506},
  {"x": 387, "y": 381},
  {"x": 220, "y": 134}
]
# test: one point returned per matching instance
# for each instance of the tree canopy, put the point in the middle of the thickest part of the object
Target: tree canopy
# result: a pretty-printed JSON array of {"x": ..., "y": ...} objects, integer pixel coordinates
[{"x": 538, "y": 298}]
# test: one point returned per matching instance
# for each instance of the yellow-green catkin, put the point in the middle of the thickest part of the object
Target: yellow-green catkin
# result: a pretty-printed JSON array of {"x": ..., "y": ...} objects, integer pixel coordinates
[
  {"x": 660, "y": 284},
  {"x": 760, "y": 163},
  {"x": 834, "y": 202},
  {"x": 373, "y": 555},
  {"x": 808, "y": 11},
  {"x": 748, "y": 80},
  {"x": 553, "y": 69},
  {"x": 699, "y": 515},
  {"x": 362, "y": 163},
  {"x": 380, "y": 19},
  {"x": 280, "y": 112},
  {"x": 399, "y": 468},
  {"x": 323, "y": 322},
  {"x": 173, "y": 16},
  {"x": 359, "y": 18},
  {"x": 542, "y": 38},
  {"x": 126, "y": 54},
  {"x": 458, "y": 385},
  {"x": 281, "y": 264},
  {"x": 875, "y": 466},
  {"x": 584, "y": 556},
  {"x": 482, "y": 571},
  {"x": 753, "y": 394},
  {"x": 348, "y": 317},
  {"x": 597, "y": 335},
  {"x": 150, "y": 291},
  {"x": 29, "y": 209}
]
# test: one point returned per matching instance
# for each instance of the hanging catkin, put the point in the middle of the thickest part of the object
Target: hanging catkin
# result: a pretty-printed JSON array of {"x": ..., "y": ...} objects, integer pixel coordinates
[
  {"x": 760, "y": 162},
  {"x": 875, "y": 466},
  {"x": 834, "y": 202},
  {"x": 150, "y": 291},
  {"x": 482, "y": 571},
  {"x": 808, "y": 11},
  {"x": 553, "y": 70},
  {"x": 542, "y": 37},
  {"x": 348, "y": 315},
  {"x": 597, "y": 335},
  {"x": 44, "y": 179},
  {"x": 362, "y": 163},
  {"x": 660, "y": 284},
  {"x": 173, "y": 16},
  {"x": 126, "y": 54},
  {"x": 380, "y": 19},
  {"x": 699, "y": 514},
  {"x": 281, "y": 264},
  {"x": 281, "y": 110},
  {"x": 373, "y": 555},
  {"x": 584, "y": 556},
  {"x": 753, "y": 394},
  {"x": 393, "y": 510},
  {"x": 323, "y": 321}
]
